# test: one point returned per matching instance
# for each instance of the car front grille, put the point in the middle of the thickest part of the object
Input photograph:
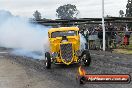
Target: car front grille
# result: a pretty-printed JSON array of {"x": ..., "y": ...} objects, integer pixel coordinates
[{"x": 66, "y": 52}]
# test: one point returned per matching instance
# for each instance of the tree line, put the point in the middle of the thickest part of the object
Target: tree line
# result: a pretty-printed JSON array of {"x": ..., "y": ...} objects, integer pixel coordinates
[
  {"x": 70, "y": 11},
  {"x": 67, "y": 11}
]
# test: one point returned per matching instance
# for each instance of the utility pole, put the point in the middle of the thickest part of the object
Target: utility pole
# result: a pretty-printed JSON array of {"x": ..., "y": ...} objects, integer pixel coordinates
[{"x": 103, "y": 25}]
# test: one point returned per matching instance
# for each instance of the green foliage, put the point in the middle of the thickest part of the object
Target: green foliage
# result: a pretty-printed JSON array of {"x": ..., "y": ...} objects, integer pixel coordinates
[
  {"x": 121, "y": 13},
  {"x": 129, "y": 11},
  {"x": 67, "y": 11},
  {"x": 37, "y": 15}
]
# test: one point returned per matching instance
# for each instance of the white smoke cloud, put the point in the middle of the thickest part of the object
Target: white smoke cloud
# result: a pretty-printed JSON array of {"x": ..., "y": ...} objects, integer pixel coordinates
[{"x": 18, "y": 33}]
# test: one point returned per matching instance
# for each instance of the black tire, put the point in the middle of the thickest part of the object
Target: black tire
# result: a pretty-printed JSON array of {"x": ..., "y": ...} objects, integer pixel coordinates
[
  {"x": 86, "y": 58},
  {"x": 47, "y": 60},
  {"x": 82, "y": 80}
]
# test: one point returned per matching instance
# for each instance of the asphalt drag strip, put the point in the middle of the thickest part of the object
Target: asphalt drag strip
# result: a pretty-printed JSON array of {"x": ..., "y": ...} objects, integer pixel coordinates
[{"x": 32, "y": 73}]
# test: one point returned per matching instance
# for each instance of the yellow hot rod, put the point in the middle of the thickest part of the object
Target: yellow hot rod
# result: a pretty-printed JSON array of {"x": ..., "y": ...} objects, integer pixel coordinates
[{"x": 65, "y": 47}]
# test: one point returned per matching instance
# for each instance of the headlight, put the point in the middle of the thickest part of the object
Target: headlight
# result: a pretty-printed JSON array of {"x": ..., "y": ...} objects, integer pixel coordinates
[
  {"x": 54, "y": 54},
  {"x": 63, "y": 41}
]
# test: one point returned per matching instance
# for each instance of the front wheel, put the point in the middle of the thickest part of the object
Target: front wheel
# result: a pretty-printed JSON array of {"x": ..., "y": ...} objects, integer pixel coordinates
[
  {"x": 47, "y": 60},
  {"x": 86, "y": 58}
]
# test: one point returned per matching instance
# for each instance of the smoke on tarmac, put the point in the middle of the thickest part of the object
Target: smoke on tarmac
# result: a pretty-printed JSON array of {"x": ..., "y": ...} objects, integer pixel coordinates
[{"x": 25, "y": 38}]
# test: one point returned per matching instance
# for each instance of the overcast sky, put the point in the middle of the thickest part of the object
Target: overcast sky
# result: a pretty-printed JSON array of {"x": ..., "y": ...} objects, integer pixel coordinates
[{"x": 87, "y": 8}]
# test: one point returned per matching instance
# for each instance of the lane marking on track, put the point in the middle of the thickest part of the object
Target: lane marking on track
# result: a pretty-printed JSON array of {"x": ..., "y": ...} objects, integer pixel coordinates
[
  {"x": 102, "y": 55},
  {"x": 105, "y": 55},
  {"x": 3, "y": 52},
  {"x": 98, "y": 55},
  {"x": 117, "y": 57},
  {"x": 111, "y": 56},
  {"x": 1, "y": 56},
  {"x": 94, "y": 54}
]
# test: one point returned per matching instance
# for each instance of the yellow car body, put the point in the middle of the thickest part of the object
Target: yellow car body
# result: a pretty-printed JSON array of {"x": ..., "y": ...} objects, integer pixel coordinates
[{"x": 64, "y": 45}]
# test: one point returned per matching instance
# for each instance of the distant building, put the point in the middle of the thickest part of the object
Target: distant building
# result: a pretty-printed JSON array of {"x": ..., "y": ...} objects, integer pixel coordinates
[{"x": 94, "y": 42}]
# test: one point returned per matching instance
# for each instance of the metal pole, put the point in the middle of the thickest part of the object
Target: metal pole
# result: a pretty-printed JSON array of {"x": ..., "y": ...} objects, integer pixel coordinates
[{"x": 103, "y": 25}]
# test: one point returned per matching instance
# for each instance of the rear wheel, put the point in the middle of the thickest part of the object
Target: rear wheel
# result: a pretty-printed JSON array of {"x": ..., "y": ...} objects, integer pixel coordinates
[
  {"x": 86, "y": 58},
  {"x": 47, "y": 60}
]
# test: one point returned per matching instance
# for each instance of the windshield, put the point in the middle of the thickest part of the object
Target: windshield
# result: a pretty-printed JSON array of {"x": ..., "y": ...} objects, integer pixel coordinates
[{"x": 63, "y": 33}]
